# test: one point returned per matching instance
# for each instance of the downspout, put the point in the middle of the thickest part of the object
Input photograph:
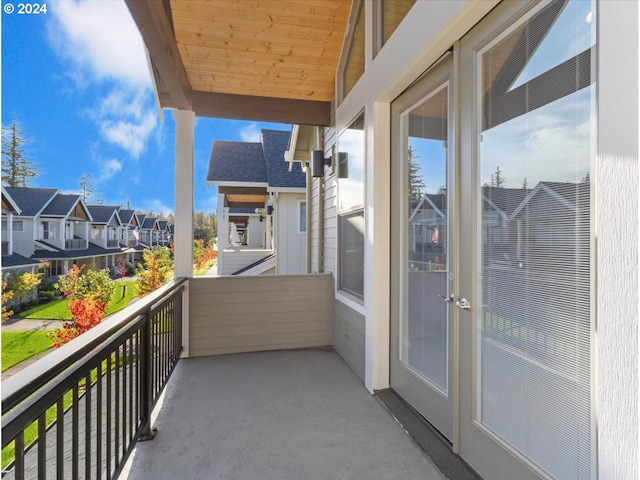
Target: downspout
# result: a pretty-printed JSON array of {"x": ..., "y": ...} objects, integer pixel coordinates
[
  {"x": 308, "y": 217},
  {"x": 320, "y": 136}
]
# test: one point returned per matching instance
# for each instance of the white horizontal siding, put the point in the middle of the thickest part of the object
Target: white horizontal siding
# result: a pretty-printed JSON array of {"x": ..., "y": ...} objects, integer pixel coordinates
[
  {"x": 249, "y": 314},
  {"x": 235, "y": 260}
]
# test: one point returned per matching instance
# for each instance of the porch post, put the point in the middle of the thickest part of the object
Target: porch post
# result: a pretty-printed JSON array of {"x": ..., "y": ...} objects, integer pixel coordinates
[
  {"x": 223, "y": 232},
  {"x": 10, "y": 233},
  {"x": 183, "y": 240},
  {"x": 183, "y": 230}
]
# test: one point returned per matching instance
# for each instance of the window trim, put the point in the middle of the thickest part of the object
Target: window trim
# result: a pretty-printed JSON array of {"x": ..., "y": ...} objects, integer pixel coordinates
[{"x": 346, "y": 47}]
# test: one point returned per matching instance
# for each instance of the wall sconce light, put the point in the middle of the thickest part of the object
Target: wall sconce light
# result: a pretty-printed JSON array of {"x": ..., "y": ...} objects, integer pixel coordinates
[
  {"x": 318, "y": 162},
  {"x": 269, "y": 209}
]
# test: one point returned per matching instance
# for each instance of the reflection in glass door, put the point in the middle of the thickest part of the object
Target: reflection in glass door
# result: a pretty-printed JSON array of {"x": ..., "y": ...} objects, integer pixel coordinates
[
  {"x": 421, "y": 270},
  {"x": 530, "y": 329},
  {"x": 424, "y": 325}
]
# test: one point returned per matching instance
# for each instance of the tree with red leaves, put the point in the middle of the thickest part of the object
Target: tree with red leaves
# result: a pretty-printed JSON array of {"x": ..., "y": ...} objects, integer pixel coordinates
[{"x": 88, "y": 294}]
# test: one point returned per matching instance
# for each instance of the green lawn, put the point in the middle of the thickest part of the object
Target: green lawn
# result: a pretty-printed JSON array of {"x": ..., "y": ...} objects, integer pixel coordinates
[
  {"x": 18, "y": 346},
  {"x": 59, "y": 309}
]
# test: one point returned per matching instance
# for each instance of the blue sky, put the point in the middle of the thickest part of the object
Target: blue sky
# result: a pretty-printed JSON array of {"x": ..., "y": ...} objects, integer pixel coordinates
[{"x": 77, "y": 80}]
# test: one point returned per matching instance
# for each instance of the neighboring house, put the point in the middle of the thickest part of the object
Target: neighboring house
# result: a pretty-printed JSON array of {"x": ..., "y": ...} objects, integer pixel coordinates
[
  {"x": 527, "y": 369},
  {"x": 165, "y": 234},
  {"x": 106, "y": 229},
  {"x": 12, "y": 261},
  {"x": 130, "y": 235},
  {"x": 149, "y": 231},
  {"x": 261, "y": 206}
]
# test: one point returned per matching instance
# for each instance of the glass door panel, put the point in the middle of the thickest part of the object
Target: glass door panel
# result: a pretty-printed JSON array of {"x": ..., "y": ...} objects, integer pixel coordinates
[
  {"x": 527, "y": 381},
  {"x": 422, "y": 268},
  {"x": 425, "y": 325}
]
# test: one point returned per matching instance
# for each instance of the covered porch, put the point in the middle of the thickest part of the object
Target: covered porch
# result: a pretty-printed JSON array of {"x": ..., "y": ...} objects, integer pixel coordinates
[{"x": 274, "y": 415}]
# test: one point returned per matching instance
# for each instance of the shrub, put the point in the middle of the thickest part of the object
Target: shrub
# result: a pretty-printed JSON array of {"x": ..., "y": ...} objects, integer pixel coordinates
[
  {"x": 6, "y": 296},
  {"x": 88, "y": 293},
  {"x": 154, "y": 271}
]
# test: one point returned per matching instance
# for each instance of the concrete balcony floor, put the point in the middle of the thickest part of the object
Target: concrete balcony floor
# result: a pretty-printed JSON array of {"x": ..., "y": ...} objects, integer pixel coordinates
[{"x": 275, "y": 415}]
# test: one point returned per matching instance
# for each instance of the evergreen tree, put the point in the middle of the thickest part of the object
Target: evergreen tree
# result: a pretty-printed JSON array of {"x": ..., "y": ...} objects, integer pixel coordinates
[
  {"x": 497, "y": 180},
  {"x": 416, "y": 183},
  {"x": 17, "y": 169}
]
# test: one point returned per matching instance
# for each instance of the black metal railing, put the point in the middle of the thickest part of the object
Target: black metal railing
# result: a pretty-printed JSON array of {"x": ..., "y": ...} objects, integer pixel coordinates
[
  {"x": 78, "y": 412},
  {"x": 112, "y": 243}
]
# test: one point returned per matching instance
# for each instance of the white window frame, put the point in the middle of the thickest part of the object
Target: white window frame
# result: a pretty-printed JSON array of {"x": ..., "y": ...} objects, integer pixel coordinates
[{"x": 15, "y": 224}]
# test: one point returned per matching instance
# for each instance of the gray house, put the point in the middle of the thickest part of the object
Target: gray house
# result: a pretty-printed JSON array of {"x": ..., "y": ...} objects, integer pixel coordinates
[{"x": 261, "y": 204}]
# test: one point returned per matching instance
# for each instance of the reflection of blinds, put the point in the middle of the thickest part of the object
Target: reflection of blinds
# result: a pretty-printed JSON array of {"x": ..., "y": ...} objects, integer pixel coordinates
[{"x": 535, "y": 318}]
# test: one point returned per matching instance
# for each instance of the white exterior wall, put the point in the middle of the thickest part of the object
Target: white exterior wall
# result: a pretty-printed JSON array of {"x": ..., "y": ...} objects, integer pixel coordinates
[
  {"x": 291, "y": 245},
  {"x": 255, "y": 232},
  {"x": 23, "y": 241}
]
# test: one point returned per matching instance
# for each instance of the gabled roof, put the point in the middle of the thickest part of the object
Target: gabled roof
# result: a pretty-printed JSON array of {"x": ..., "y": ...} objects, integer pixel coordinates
[
  {"x": 504, "y": 200},
  {"x": 8, "y": 203},
  {"x": 103, "y": 214},
  {"x": 254, "y": 164},
  {"x": 163, "y": 224},
  {"x": 236, "y": 162},
  {"x": 31, "y": 201},
  {"x": 274, "y": 144},
  {"x": 140, "y": 218},
  {"x": 125, "y": 216},
  {"x": 149, "y": 223},
  {"x": 64, "y": 205}
]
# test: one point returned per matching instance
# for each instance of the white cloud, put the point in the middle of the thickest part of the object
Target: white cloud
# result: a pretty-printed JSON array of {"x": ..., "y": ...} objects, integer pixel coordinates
[
  {"x": 129, "y": 135},
  {"x": 156, "y": 206},
  {"x": 108, "y": 168},
  {"x": 250, "y": 133},
  {"x": 103, "y": 50},
  {"x": 101, "y": 39}
]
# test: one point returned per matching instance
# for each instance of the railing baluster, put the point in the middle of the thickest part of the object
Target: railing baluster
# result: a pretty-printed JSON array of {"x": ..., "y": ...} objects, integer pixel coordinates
[
  {"x": 131, "y": 396},
  {"x": 42, "y": 447},
  {"x": 99, "y": 381},
  {"x": 109, "y": 374},
  {"x": 19, "y": 449},
  {"x": 116, "y": 412},
  {"x": 87, "y": 423},
  {"x": 74, "y": 433},
  {"x": 60, "y": 439}
]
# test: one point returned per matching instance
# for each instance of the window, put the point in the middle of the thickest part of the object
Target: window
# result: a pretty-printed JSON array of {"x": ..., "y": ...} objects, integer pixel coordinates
[
  {"x": 389, "y": 14},
  {"x": 351, "y": 145},
  {"x": 18, "y": 226},
  {"x": 4, "y": 225},
  {"x": 353, "y": 66},
  {"x": 302, "y": 216}
]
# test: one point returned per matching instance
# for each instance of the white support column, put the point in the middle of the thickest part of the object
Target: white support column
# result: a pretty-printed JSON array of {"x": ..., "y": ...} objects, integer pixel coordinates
[
  {"x": 183, "y": 256},
  {"x": 183, "y": 237},
  {"x": 10, "y": 232}
]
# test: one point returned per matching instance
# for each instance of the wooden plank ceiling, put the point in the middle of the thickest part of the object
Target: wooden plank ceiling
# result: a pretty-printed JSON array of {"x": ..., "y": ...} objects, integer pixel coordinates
[{"x": 251, "y": 59}]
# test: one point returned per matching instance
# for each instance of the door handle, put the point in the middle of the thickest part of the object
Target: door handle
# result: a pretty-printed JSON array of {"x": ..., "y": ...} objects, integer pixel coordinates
[
  {"x": 448, "y": 299},
  {"x": 464, "y": 304}
]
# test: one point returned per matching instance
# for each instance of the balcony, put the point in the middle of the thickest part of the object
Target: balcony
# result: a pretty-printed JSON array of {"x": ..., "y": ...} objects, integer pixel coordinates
[
  {"x": 75, "y": 244},
  {"x": 260, "y": 414}
]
